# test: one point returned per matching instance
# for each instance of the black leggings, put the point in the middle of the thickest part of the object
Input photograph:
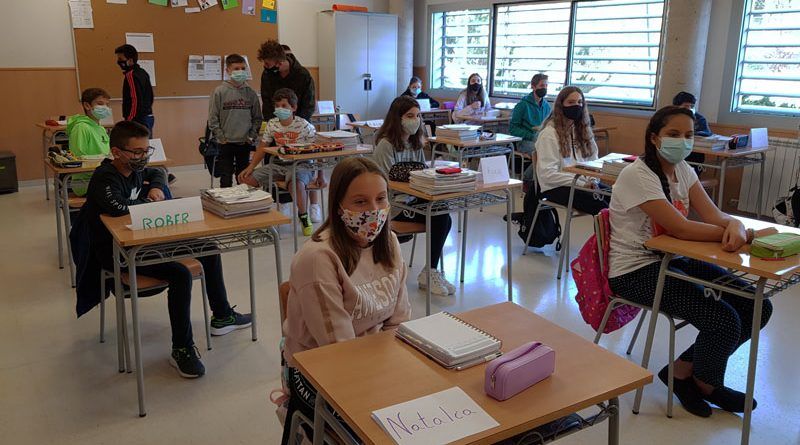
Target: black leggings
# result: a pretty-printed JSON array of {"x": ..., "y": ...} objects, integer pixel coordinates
[
  {"x": 233, "y": 158},
  {"x": 724, "y": 324},
  {"x": 583, "y": 201},
  {"x": 440, "y": 228}
]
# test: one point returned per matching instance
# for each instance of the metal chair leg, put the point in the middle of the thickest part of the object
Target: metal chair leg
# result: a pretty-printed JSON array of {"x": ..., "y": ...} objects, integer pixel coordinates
[
  {"x": 530, "y": 229},
  {"x": 205, "y": 310},
  {"x": 603, "y": 323},
  {"x": 413, "y": 248},
  {"x": 636, "y": 332},
  {"x": 102, "y": 308},
  {"x": 671, "y": 366}
]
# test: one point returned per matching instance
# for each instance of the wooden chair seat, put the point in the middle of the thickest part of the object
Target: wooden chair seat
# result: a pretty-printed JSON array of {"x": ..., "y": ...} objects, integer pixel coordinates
[
  {"x": 407, "y": 227},
  {"x": 76, "y": 202},
  {"x": 144, "y": 282}
]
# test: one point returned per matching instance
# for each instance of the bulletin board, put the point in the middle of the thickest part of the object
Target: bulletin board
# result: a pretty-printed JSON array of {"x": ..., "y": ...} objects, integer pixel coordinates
[{"x": 176, "y": 35}]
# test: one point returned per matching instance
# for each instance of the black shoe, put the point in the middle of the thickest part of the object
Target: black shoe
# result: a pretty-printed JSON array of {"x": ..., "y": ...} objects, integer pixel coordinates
[
  {"x": 222, "y": 326},
  {"x": 728, "y": 399},
  {"x": 688, "y": 393},
  {"x": 516, "y": 217},
  {"x": 171, "y": 179},
  {"x": 404, "y": 238},
  {"x": 187, "y": 362}
]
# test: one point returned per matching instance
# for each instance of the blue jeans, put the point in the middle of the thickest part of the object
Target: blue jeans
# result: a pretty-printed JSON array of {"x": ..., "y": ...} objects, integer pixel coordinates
[{"x": 148, "y": 121}]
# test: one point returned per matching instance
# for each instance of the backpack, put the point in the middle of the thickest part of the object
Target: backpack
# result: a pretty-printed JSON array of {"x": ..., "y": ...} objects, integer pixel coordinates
[
  {"x": 209, "y": 150},
  {"x": 787, "y": 208},
  {"x": 548, "y": 227},
  {"x": 591, "y": 278}
]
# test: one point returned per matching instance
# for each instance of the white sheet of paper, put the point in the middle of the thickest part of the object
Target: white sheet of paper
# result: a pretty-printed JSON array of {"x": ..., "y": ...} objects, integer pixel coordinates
[
  {"x": 442, "y": 417},
  {"x": 166, "y": 213},
  {"x": 494, "y": 169},
  {"x": 142, "y": 41},
  {"x": 159, "y": 154},
  {"x": 81, "y": 14},
  {"x": 179, "y": 3},
  {"x": 225, "y": 75},
  {"x": 424, "y": 104},
  {"x": 205, "y": 4},
  {"x": 326, "y": 107},
  {"x": 118, "y": 2},
  {"x": 191, "y": 10},
  {"x": 213, "y": 66},
  {"x": 150, "y": 67},
  {"x": 196, "y": 68},
  {"x": 759, "y": 137}
]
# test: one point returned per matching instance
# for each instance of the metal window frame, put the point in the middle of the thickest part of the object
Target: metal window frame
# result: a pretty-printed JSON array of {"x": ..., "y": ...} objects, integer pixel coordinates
[{"x": 457, "y": 9}]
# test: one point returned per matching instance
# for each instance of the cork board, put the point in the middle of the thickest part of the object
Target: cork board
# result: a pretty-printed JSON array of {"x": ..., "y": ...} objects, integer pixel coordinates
[{"x": 176, "y": 34}]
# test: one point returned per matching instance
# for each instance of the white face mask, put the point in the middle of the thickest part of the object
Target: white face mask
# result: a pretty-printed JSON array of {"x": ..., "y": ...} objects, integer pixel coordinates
[{"x": 411, "y": 125}]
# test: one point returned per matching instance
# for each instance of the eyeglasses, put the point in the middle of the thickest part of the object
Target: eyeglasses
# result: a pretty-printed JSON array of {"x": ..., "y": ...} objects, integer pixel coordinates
[{"x": 138, "y": 154}]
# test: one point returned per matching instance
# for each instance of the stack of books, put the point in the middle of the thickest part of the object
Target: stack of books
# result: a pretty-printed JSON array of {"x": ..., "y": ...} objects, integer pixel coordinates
[
  {"x": 613, "y": 167},
  {"x": 458, "y": 132},
  {"x": 713, "y": 142},
  {"x": 432, "y": 183},
  {"x": 241, "y": 200},
  {"x": 346, "y": 138}
]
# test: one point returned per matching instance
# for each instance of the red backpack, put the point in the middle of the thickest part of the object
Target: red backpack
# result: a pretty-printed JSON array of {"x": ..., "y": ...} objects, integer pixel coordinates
[{"x": 590, "y": 272}]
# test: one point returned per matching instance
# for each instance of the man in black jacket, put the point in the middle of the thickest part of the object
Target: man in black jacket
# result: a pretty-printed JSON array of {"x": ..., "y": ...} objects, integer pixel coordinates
[
  {"x": 282, "y": 70},
  {"x": 126, "y": 181},
  {"x": 137, "y": 91}
]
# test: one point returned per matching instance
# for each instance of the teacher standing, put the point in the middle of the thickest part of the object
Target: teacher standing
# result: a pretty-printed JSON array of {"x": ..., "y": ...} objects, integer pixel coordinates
[{"x": 282, "y": 70}]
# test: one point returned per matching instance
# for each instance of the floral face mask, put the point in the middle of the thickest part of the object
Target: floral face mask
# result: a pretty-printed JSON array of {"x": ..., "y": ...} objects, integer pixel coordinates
[{"x": 367, "y": 224}]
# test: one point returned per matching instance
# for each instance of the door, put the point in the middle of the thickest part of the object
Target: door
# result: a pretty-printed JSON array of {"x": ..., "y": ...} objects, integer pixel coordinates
[
  {"x": 382, "y": 56},
  {"x": 351, "y": 63}
]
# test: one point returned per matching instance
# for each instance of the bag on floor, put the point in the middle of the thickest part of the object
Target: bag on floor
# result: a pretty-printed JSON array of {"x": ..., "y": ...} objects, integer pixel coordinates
[
  {"x": 209, "y": 150},
  {"x": 591, "y": 279},
  {"x": 548, "y": 227},
  {"x": 787, "y": 208}
]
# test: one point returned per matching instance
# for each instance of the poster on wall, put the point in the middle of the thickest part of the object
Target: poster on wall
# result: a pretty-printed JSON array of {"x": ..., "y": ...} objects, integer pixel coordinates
[
  {"x": 81, "y": 14},
  {"x": 249, "y": 7},
  {"x": 269, "y": 16}
]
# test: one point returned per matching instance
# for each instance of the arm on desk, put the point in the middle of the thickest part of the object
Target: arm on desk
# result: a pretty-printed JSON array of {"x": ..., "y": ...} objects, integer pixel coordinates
[
  {"x": 734, "y": 235},
  {"x": 106, "y": 189},
  {"x": 667, "y": 216}
]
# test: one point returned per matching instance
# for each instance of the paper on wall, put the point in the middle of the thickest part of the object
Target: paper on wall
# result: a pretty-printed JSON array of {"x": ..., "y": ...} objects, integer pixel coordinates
[
  {"x": 213, "y": 67},
  {"x": 269, "y": 16},
  {"x": 179, "y": 3},
  {"x": 142, "y": 41},
  {"x": 229, "y": 4},
  {"x": 191, "y": 10},
  {"x": 269, "y": 4},
  {"x": 81, "y": 13},
  {"x": 158, "y": 2},
  {"x": 205, "y": 4},
  {"x": 197, "y": 69},
  {"x": 118, "y": 2},
  {"x": 249, "y": 7},
  {"x": 150, "y": 67},
  {"x": 225, "y": 75}
]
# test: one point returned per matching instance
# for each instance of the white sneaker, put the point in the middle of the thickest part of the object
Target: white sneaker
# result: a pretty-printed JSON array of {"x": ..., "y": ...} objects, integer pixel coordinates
[
  {"x": 315, "y": 212},
  {"x": 451, "y": 289},
  {"x": 437, "y": 287}
]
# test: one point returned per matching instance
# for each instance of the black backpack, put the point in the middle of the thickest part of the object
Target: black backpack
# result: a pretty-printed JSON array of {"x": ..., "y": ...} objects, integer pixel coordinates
[
  {"x": 209, "y": 149},
  {"x": 548, "y": 227}
]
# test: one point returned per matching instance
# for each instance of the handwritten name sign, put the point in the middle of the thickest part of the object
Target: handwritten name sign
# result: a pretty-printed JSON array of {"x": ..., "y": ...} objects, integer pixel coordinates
[
  {"x": 166, "y": 213},
  {"x": 438, "y": 418},
  {"x": 494, "y": 169}
]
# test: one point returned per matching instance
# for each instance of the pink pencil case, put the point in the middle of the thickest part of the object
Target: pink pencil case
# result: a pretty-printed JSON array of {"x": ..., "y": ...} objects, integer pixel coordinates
[{"x": 517, "y": 370}]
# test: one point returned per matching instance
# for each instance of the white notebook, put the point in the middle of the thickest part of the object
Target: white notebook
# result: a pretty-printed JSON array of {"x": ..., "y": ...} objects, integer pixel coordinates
[{"x": 448, "y": 339}]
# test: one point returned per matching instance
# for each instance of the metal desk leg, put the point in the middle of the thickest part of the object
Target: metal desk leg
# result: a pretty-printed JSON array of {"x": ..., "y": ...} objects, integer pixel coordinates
[
  {"x": 59, "y": 233},
  {"x": 294, "y": 205},
  {"x": 460, "y": 165},
  {"x": 758, "y": 301},
  {"x": 251, "y": 275},
  {"x": 137, "y": 340},
  {"x": 428, "y": 264},
  {"x": 277, "y": 246},
  {"x": 119, "y": 299},
  {"x": 563, "y": 256},
  {"x": 319, "y": 420},
  {"x": 761, "y": 185},
  {"x": 509, "y": 210},
  {"x": 514, "y": 169},
  {"x": 613, "y": 421},
  {"x": 45, "y": 145},
  {"x": 67, "y": 226},
  {"x": 722, "y": 171},
  {"x": 464, "y": 245},
  {"x": 651, "y": 329}
]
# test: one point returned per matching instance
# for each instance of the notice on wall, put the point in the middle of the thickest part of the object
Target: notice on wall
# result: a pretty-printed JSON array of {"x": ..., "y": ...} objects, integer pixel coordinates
[
  {"x": 142, "y": 41},
  {"x": 81, "y": 14},
  {"x": 249, "y": 7},
  {"x": 158, "y": 2},
  {"x": 213, "y": 65},
  {"x": 269, "y": 16},
  {"x": 117, "y": 2},
  {"x": 191, "y": 10},
  {"x": 229, "y": 4},
  {"x": 150, "y": 67},
  {"x": 179, "y": 3},
  {"x": 197, "y": 69},
  {"x": 269, "y": 4},
  {"x": 205, "y": 4}
]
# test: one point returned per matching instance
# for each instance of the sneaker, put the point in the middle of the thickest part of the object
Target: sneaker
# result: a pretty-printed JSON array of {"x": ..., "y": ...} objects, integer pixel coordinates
[
  {"x": 437, "y": 286},
  {"x": 451, "y": 289},
  {"x": 305, "y": 221},
  {"x": 187, "y": 362},
  {"x": 222, "y": 326},
  {"x": 315, "y": 212}
]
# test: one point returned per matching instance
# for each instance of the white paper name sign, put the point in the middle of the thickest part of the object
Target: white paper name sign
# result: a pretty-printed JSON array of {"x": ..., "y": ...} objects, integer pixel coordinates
[
  {"x": 424, "y": 104},
  {"x": 494, "y": 169},
  {"x": 759, "y": 137},
  {"x": 435, "y": 419},
  {"x": 326, "y": 107},
  {"x": 166, "y": 213}
]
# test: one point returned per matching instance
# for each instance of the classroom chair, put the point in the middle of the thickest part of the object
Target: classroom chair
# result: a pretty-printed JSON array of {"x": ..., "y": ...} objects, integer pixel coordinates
[
  {"x": 401, "y": 228},
  {"x": 619, "y": 301},
  {"x": 280, "y": 188},
  {"x": 147, "y": 286}
]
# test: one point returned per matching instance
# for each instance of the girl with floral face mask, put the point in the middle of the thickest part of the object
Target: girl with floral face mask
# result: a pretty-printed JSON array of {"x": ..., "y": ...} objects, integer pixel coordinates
[{"x": 349, "y": 280}]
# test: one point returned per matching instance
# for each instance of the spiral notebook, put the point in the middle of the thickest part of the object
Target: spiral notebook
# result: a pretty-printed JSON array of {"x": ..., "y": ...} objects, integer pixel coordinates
[{"x": 449, "y": 340}]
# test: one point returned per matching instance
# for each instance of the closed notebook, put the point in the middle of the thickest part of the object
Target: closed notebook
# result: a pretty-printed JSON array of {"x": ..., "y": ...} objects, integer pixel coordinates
[
  {"x": 777, "y": 245},
  {"x": 447, "y": 339}
]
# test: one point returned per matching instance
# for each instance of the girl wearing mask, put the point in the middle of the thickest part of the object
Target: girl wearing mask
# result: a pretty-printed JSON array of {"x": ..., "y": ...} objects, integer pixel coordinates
[
  {"x": 349, "y": 280},
  {"x": 565, "y": 139},
  {"x": 400, "y": 140},
  {"x": 472, "y": 102},
  {"x": 415, "y": 91},
  {"x": 652, "y": 196}
]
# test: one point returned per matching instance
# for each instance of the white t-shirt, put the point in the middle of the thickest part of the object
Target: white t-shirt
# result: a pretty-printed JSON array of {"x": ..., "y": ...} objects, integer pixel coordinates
[
  {"x": 299, "y": 131},
  {"x": 630, "y": 226}
]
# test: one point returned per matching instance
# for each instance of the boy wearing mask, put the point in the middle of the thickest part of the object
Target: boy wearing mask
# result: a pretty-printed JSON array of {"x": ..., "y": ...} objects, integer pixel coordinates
[
  {"x": 527, "y": 117},
  {"x": 86, "y": 136}
]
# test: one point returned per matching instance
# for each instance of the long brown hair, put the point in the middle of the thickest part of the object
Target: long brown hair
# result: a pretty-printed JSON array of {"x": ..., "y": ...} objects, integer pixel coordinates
[
  {"x": 475, "y": 96},
  {"x": 657, "y": 122},
  {"x": 392, "y": 128},
  {"x": 383, "y": 249},
  {"x": 583, "y": 135}
]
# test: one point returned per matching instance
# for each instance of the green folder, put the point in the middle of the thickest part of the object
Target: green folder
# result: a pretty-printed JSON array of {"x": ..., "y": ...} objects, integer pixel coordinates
[{"x": 778, "y": 245}]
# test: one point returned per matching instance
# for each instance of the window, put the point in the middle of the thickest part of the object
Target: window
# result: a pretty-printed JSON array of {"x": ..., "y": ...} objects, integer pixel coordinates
[
  {"x": 768, "y": 66},
  {"x": 459, "y": 47}
]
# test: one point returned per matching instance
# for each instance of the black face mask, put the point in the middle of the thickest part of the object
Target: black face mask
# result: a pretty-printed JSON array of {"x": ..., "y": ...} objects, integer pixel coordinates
[
  {"x": 475, "y": 87},
  {"x": 574, "y": 112},
  {"x": 540, "y": 92},
  {"x": 273, "y": 70},
  {"x": 124, "y": 65},
  {"x": 138, "y": 164}
]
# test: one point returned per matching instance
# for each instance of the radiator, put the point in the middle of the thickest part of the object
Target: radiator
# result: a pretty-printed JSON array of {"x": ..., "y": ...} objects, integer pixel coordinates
[{"x": 780, "y": 174}]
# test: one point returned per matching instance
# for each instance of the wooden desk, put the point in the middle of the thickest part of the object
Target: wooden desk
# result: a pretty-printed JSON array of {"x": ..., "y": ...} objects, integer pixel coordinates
[
  {"x": 783, "y": 275},
  {"x": 437, "y": 116},
  {"x": 359, "y": 376},
  {"x": 460, "y": 202},
  {"x": 322, "y": 160},
  {"x": 325, "y": 122},
  {"x": 214, "y": 235}
]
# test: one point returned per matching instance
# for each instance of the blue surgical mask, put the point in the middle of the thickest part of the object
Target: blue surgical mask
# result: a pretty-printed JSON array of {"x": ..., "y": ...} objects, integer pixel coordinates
[
  {"x": 101, "y": 112},
  {"x": 283, "y": 113},
  {"x": 675, "y": 150},
  {"x": 416, "y": 91},
  {"x": 239, "y": 76}
]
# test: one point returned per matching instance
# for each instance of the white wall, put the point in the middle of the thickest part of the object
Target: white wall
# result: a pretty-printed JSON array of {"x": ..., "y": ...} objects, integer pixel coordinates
[
  {"x": 716, "y": 50},
  {"x": 36, "y": 33}
]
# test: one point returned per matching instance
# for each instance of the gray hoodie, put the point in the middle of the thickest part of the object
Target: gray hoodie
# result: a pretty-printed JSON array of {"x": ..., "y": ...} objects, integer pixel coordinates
[{"x": 234, "y": 113}]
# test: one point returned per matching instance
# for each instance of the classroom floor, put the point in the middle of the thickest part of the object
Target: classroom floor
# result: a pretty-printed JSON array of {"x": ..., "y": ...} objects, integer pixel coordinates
[{"x": 58, "y": 385}]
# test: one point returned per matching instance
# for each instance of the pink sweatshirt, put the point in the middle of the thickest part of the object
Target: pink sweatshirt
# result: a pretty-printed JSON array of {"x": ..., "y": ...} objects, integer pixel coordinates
[{"x": 328, "y": 306}]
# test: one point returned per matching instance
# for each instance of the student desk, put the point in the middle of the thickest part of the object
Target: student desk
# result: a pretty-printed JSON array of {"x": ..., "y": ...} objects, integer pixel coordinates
[
  {"x": 49, "y": 133},
  {"x": 321, "y": 160},
  {"x": 61, "y": 182},
  {"x": 434, "y": 205},
  {"x": 325, "y": 122},
  {"x": 737, "y": 158},
  {"x": 213, "y": 235},
  {"x": 764, "y": 279},
  {"x": 359, "y": 376}
]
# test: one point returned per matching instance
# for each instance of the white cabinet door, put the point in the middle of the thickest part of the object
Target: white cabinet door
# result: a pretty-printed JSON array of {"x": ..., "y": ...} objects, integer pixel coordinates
[
  {"x": 351, "y": 63},
  {"x": 382, "y": 64}
]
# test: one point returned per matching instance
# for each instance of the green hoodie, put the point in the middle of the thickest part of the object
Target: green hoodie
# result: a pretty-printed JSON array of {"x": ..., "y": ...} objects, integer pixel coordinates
[
  {"x": 86, "y": 137},
  {"x": 527, "y": 115}
]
